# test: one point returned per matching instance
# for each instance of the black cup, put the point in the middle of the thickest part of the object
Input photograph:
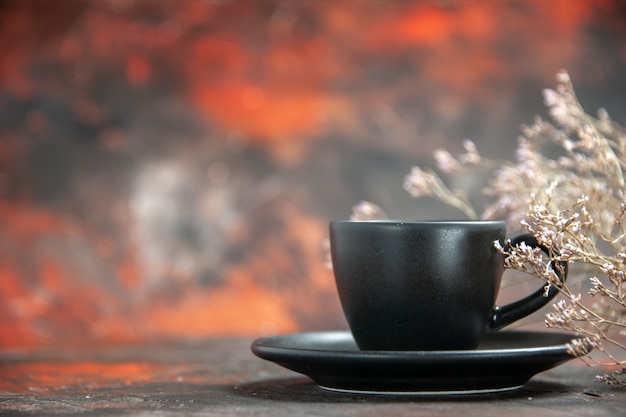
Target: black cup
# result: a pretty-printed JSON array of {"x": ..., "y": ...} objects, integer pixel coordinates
[{"x": 425, "y": 285}]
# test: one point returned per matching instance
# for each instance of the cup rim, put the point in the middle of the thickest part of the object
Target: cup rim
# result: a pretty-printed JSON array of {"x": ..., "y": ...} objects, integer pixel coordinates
[{"x": 398, "y": 222}]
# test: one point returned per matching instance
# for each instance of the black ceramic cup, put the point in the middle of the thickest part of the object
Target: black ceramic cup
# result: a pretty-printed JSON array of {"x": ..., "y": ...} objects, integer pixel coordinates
[{"x": 425, "y": 285}]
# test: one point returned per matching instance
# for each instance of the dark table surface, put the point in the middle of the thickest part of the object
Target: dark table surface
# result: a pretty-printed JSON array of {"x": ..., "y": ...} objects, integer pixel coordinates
[{"x": 222, "y": 377}]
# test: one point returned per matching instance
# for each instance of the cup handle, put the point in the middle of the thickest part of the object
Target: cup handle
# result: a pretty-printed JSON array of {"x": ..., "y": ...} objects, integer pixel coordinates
[{"x": 504, "y": 315}]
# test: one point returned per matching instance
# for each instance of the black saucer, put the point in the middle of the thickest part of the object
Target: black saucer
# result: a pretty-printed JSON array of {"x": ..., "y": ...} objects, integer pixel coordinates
[{"x": 504, "y": 361}]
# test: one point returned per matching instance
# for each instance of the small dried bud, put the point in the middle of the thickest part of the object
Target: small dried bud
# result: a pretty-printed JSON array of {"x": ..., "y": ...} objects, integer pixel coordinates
[
  {"x": 469, "y": 146},
  {"x": 550, "y": 97},
  {"x": 365, "y": 210},
  {"x": 603, "y": 115},
  {"x": 419, "y": 182},
  {"x": 562, "y": 77},
  {"x": 546, "y": 290},
  {"x": 446, "y": 162}
]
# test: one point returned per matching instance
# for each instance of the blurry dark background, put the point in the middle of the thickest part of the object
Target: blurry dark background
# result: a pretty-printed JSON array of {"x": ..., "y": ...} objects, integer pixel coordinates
[{"x": 168, "y": 169}]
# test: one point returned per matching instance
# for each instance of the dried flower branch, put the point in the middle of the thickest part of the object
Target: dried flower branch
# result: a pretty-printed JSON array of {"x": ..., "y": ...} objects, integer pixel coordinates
[
  {"x": 421, "y": 183},
  {"x": 567, "y": 188}
]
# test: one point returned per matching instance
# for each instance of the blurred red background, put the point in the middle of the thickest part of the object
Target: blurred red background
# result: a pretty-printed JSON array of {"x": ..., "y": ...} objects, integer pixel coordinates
[{"x": 168, "y": 169}]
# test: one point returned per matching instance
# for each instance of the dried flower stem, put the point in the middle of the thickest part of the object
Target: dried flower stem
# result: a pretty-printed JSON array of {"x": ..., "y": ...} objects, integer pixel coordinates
[{"x": 421, "y": 183}]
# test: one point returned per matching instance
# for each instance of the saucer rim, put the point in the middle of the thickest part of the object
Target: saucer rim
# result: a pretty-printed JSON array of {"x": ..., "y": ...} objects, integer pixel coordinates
[
  {"x": 518, "y": 365},
  {"x": 503, "y": 389},
  {"x": 277, "y": 343}
]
